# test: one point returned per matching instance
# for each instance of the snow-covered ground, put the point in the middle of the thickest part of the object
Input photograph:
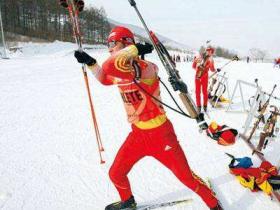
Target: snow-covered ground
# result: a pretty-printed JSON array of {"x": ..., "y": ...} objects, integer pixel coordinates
[{"x": 48, "y": 151}]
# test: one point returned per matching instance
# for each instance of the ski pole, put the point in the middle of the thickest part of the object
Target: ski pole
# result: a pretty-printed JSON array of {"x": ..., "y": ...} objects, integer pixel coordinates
[
  {"x": 231, "y": 156},
  {"x": 74, "y": 9},
  {"x": 235, "y": 58}
]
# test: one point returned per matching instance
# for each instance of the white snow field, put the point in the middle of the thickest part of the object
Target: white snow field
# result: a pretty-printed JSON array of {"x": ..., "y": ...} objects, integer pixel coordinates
[{"x": 48, "y": 151}]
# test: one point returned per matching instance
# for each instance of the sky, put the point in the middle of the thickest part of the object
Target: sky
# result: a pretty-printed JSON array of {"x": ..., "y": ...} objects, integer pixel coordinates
[{"x": 237, "y": 25}]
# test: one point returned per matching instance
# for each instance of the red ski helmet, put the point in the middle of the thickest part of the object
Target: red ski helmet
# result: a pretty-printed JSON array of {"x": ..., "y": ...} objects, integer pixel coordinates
[
  {"x": 210, "y": 49},
  {"x": 121, "y": 34}
]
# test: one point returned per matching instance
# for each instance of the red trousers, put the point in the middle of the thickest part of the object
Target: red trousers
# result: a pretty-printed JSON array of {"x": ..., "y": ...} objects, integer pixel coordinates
[
  {"x": 201, "y": 83},
  {"x": 162, "y": 144}
]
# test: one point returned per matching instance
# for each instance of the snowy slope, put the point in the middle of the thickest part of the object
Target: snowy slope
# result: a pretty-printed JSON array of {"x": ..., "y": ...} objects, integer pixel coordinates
[{"x": 48, "y": 151}]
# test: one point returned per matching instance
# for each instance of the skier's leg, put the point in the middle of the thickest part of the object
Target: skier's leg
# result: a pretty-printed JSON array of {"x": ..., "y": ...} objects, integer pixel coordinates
[
  {"x": 197, "y": 92},
  {"x": 130, "y": 152},
  {"x": 205, "y": 91},
  {"x": 169, "y": 153}
]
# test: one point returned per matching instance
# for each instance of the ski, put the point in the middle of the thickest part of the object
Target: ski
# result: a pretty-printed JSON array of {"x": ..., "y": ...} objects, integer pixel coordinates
[{"x": 164, "y": 204}]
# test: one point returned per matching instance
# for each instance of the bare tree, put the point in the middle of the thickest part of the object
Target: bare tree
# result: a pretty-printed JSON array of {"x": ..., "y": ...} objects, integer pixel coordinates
[{"x": 257, "y": 54}]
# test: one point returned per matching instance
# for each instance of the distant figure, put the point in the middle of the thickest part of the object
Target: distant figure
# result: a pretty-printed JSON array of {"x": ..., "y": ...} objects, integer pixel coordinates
[
  {"x": 202, "y": 64},
  {"x": 248, "y": 59},
  {"x": 277, "y": 62}
]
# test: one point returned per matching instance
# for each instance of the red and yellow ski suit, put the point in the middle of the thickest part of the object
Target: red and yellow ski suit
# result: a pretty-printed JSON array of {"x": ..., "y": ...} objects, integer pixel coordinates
[
  {"x": 202, "y": 82},
  {"x": 152, "y": 133}
]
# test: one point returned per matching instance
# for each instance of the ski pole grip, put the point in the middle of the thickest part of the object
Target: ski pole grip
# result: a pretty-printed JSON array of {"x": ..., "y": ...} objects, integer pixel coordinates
[{"x": 132, "y": 3}]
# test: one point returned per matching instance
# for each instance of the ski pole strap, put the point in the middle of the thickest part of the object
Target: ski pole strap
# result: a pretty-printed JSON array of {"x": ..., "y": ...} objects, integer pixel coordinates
[{"x": 137, "y": 70}]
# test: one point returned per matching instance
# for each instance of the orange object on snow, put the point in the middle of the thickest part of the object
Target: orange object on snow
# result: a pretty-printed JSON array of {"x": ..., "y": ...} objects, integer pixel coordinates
[{"x": 224, "y": 135}]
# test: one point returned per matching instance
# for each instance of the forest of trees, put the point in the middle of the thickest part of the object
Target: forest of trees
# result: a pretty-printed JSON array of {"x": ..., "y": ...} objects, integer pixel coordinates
[{"x": 46, "y": 19}]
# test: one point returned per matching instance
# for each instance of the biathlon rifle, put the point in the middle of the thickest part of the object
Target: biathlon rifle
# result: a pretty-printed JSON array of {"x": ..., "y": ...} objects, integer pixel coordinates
[
  {"x": 261, "y": 114},
  {"x": 173, "y": 74},
  {"x": 268, "y": 129}
]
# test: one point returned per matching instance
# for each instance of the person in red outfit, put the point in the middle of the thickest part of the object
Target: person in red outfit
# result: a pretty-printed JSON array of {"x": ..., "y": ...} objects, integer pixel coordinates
[
  {"x": 152, "y": 134},
  {"x": 202, "y": 64},
  {"x": 277, "y": 62}
]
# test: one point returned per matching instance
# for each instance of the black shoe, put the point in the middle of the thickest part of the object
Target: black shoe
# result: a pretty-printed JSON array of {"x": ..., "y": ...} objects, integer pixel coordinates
[
  {"x": 199, "y": 109},
  {"x": 129, "y": 204},
  {"x": 205, "y": 108},
  {"x": 218, "y": 207}
]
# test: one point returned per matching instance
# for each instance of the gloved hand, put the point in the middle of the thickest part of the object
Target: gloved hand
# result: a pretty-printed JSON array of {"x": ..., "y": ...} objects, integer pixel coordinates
[
  {"x": 144, "y": 48},
  {"x": 83, "y": 57},
  {"x": 218, "y": 69},
  {"x": 178, "y": 85}
]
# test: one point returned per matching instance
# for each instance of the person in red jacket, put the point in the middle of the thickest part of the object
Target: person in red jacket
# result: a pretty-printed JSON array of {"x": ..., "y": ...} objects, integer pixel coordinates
[
  {"x": 277, "y": 61},
  {"x": 152, "y": 134},
  {"x": 202, "y": 64}
]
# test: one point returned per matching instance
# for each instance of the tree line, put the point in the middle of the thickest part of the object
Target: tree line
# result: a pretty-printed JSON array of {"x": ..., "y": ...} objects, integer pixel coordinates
[
  {"x": 220, "y": 52},
  {"x": 46, "y": 19}
]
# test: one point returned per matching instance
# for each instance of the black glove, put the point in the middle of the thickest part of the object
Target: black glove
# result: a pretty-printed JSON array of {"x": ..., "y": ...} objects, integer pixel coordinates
[
  {"x": 178, "y": 85},
  {"x": 144, "y": 48},
  {"x": 83, "y": 57},
  {"x": 218, "y": 69}
]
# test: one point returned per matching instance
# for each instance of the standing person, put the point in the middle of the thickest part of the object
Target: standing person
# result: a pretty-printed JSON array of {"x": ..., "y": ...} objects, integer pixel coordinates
[
  {"x": 202, "y": 64},
  {"x": 248, "y": 59},
  {"x": 152, "y": 134}
]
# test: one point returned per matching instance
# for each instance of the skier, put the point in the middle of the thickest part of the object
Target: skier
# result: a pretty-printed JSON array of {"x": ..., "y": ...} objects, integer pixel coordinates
[
  {"x": 202, "y": 64},
  {"x": 152, "y": 133},
  {"x": 277, "y": 62}
]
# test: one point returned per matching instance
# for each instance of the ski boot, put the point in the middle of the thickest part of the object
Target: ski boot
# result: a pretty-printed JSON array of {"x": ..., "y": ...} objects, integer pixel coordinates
[
  {"x": 129, "y": 204},
  {"x": 218, "y": 207},
  {"x": 205, "y": 108}
]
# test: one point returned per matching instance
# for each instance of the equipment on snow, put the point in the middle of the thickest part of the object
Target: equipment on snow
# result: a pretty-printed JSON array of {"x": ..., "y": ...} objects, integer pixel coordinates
[
  {"x": 174, "y": 77},
  {"x": 74, "y": 8},
  {"x": 244, "y": 162},
  {"x": 275, "y": 194},
  {"x": 268, "y": 130},
  {"x": 131, "y": 204},
  {"x": 217, "y": 93},
  {"x": 262, "y": 111},
  {"x": 224, "y": 135},
  {"x": 164, "y": 204},
  {"x": 263, "y": 178}
]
